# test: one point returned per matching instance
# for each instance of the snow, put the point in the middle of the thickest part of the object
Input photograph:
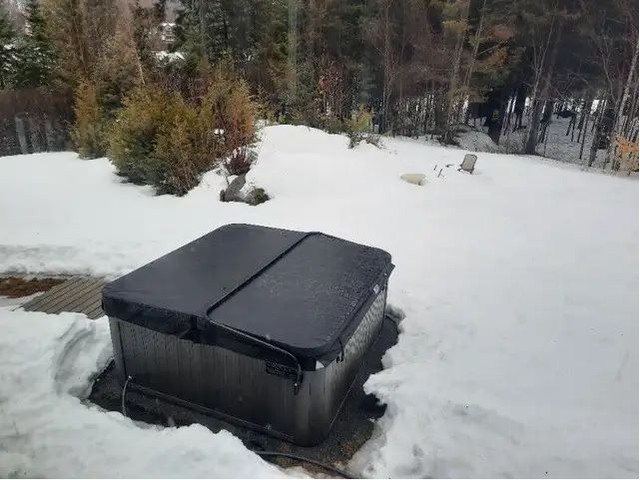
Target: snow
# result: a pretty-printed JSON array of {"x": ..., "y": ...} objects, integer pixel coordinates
[
  {"x": 558, "y": 144},
  {"x": 169, "y": 57},
  {"x": 16, "y": 302},
  {"x": 477, "y": 141},
  {"x": 518, "y": 355},
  {"x": 47, "y": 431}
]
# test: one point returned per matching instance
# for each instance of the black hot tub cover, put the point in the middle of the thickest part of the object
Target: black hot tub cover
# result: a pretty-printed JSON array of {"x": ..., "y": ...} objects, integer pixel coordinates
[{"x": 299, "y": 291}]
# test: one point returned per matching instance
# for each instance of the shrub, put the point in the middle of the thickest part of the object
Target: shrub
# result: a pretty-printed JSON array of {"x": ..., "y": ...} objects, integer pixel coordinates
[
  {"x": 132, "y": 139},
  {"x": 97, "y": 101},
  {"x": 227, "y": 106},
  {"x": 89, "y": 129},
  {"x": 257, "y": 196},
  {"x": 177, "y": 160},
  {"x": 117, "y": 73},
  {"x": 229, "y": 112},
  {"x": 358, "y": 127},
  {"x": 162, "y": 140},
  {"x": 332, "y": 124},
  {"x": 240, "y": 161},
  {"x": 157, "y": 140}
]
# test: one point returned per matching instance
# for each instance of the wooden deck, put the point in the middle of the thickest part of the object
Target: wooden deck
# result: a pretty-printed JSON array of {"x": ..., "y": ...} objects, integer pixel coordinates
[{"x": 78, "y": 294}]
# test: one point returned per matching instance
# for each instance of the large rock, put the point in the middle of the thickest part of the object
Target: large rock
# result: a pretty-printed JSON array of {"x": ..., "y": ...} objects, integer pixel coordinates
[
  {"x": 239, "y": 191},
  {"x": 234, "y": 193}
]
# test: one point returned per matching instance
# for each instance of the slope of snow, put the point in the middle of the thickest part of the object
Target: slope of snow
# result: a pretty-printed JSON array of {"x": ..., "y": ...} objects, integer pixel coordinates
[
  {"x": 476, "y": 140},
  {"x": 519, "y": 351},
  {"x": 16, "y": 302}
]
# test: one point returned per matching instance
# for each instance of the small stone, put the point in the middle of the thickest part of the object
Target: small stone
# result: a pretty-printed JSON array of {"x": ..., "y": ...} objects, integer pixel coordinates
[{"x": 414, "y": 178}]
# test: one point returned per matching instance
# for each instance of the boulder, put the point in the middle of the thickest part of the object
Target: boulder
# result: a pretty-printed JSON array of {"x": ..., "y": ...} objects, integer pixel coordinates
[
  {"x": 239, "y": 191},
  {"x": 234, "y": 193}
]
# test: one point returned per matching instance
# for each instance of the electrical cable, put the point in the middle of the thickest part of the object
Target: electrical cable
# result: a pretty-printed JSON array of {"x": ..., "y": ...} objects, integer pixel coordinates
[{"x": 328, "y": 468}]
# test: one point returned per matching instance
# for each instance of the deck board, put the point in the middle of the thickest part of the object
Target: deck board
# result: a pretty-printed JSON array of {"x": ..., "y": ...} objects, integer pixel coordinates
[
  {"x": 78, "y": 294},
  {"x": 57, "y": 290},
  {"x": 76, "y": 301}
]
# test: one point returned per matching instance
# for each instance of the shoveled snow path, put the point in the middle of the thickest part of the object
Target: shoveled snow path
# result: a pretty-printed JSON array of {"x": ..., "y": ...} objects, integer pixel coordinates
[{"x": 518, "y": 354}]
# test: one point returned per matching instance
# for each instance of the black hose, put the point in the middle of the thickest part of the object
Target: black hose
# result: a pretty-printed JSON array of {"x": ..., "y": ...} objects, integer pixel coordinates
[
  {"x": 124, "y": 392},
  {"x": 392, "y": 320},
  {"x": 262, "y": 453},
  {"x": 328, "y": 468}
]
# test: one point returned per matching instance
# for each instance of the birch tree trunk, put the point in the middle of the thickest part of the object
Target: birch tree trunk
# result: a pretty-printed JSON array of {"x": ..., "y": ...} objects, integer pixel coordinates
[
  {"x": 539, "y": 103},
  {"x": 476, "y": 44},
  {"x": 596, "y": 131},
  {"x": 453, "y": 87},
  {"x": 619, "y": 123}
]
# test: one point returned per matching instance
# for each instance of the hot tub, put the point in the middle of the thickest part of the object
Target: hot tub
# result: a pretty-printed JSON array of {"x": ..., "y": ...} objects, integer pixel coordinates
[{"x": 260, "y": 326}]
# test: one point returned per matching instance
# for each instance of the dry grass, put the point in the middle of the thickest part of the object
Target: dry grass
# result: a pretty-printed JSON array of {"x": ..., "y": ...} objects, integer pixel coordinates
[{"x": 16, "y": 287}]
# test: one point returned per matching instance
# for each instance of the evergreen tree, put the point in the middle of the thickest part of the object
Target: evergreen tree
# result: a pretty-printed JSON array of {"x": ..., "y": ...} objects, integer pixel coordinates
[
  {"x": 80, "y": 31},
  {"x": 188, "y": 40},
  {"x": 36, "y": 56},
  {"x": 420, "y": 66},
  {"x": 146, "y": 22},
  {"x": 250, "y": 35},
  {"x": 69, "y": 33},
  {"x": 266, "y": 71},
  {"x": 8, "y": 40}
]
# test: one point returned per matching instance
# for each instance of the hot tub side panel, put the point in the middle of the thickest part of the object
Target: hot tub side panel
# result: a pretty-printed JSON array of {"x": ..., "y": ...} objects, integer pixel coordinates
[
  {"x": 326, "y": 389},
  {"x": 238, "y": 387}
]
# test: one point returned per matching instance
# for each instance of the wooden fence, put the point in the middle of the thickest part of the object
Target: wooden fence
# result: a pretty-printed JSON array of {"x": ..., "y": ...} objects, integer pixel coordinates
[{"x": 34, "y": 120}]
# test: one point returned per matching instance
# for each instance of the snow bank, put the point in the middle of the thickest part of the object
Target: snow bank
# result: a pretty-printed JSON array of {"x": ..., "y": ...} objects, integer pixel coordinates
[
  {"x": 47, "y": 431},
  {"x": 518, "y": 354},
  {"x": 477, "y": 141},
  {"x": 558, "y": 144}
]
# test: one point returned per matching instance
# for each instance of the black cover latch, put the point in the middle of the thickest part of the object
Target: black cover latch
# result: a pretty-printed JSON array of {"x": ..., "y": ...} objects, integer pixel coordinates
[{"x": 285, "y": 371}]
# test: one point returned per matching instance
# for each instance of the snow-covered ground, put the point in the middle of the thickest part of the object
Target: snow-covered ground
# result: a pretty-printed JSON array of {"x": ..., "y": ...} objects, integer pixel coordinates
[
  {"x": 16, "y": 302},
  {"x": 519, "y": 351},
  {"x": 558, "y": 144},
  {"x": 46, "y": 431}
]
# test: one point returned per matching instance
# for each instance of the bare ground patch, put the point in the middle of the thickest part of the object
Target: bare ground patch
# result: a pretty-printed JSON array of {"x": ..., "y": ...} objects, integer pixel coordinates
[{"x": 16, "y": 287}]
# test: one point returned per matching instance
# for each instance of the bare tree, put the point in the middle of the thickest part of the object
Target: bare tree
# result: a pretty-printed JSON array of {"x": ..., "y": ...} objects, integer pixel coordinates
[
  {"x": 544, "y": 61},
  {"x": 383, "y": 31}
]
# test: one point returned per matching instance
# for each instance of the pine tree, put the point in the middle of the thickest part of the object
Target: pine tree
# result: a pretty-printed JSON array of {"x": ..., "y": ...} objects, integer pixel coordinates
[
  {"x": 145, "y": 23},
  {"x": 36, "y": 59},
  {"x": 8, "y": 39},
  {"x": 69, "y": 33},
  {"x": 188, "y": 40}
]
